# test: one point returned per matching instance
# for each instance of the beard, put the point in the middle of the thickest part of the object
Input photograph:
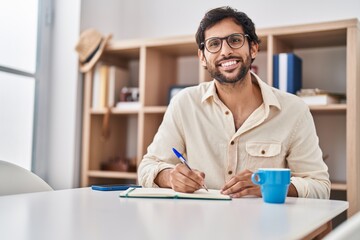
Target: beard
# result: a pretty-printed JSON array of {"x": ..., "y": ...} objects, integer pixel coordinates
[{"x": 221, "y": 78}]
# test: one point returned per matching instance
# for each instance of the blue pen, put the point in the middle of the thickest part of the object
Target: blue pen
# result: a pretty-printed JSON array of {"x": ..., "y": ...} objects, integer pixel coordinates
[{"x": 183, "y": 160}]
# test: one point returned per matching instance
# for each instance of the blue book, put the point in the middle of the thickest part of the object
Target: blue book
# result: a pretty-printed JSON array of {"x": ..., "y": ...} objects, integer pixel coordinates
[{"x": 287, "y": 72}]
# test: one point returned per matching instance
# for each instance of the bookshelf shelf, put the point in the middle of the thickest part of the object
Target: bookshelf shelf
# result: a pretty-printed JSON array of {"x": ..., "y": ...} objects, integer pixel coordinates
[
  {"x": 112, "y": 174},
  {"x": 328, "y": 108},
  {"x": 155, "y": 66},
  {"x": 115, "y": 111},
  {"x": 155, "y": 109},
  {"x": 97, "y": 111},
  {"x": 338, "y": 186},
  {"x": 124, "y": 111}
]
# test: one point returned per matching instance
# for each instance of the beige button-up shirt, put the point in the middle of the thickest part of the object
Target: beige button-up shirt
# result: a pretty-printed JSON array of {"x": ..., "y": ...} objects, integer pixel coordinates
[{"x": 280, "y": 133}]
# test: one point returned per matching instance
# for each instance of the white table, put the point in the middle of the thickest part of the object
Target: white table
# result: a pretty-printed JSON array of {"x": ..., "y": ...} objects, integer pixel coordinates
[{"x": 86, "y": 214}]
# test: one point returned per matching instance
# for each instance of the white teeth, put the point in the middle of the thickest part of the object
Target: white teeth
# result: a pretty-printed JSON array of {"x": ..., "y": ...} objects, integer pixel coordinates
[{"x": 227, "y": 64}]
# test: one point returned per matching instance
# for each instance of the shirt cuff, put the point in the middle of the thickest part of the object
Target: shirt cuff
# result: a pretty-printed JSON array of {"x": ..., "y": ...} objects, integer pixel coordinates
[{"x": 301, "y": 186}]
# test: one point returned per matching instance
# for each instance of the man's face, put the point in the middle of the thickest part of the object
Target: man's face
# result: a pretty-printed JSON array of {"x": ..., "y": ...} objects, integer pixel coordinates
[{"x": 228, "y": 65}]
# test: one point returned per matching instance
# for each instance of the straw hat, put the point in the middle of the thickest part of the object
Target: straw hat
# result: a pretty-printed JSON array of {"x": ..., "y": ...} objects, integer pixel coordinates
[{"x": 90, "y": 47}]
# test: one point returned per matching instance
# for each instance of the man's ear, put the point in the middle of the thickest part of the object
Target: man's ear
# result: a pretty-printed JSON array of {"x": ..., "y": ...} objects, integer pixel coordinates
[
  {"x": 254, "y": 49},
  {"x": 202, "y": 58}
]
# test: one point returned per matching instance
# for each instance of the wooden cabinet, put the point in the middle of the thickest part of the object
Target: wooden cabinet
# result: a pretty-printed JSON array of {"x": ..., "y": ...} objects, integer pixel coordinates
[{"x": 331, "y": 61}]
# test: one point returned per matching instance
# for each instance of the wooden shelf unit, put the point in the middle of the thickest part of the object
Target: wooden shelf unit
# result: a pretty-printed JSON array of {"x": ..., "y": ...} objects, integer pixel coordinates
[{"x": 159, "y": 69}]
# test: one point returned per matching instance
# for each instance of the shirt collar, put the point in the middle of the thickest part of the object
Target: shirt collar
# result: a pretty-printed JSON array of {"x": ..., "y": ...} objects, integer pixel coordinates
[
  {"x": 210, "y": 92},
  {"x": 267, "y": 93}
]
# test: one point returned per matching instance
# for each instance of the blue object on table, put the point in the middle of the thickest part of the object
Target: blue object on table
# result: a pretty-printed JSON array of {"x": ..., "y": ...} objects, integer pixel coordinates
[{"x": 114, "y": 187}]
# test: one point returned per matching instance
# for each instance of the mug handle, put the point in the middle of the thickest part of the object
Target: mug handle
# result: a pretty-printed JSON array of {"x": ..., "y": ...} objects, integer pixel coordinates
[{"x": 258, "y": 178}]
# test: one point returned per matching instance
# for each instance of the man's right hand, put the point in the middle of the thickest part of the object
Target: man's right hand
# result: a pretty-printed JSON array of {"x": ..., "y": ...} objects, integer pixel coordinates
[{"x": 181, "y": 179}]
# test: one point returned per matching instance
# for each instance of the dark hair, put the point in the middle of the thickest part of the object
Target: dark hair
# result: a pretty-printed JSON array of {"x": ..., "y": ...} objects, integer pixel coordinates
[{"x": 216, "y": 15}]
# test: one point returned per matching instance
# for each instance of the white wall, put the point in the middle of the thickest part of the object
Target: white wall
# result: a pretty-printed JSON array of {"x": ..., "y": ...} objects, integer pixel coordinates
[
  {"x": 157, "y": 18},
  {"x": 63, "y": 138},
  {"x": 128, "y": 19}
]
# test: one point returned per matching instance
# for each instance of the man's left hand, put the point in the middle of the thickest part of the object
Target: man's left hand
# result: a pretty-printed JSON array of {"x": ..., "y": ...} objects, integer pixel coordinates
[{"x": 241, "y": 185}]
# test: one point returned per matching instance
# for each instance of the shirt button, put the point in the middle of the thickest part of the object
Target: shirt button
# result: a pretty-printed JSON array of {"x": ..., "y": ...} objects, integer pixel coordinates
[
  {"x": 227, "y": 112},
  {"x": 262, "y": 151},
  {"x": 230, "y": 172},
  {"x": 232, "y": 142}
]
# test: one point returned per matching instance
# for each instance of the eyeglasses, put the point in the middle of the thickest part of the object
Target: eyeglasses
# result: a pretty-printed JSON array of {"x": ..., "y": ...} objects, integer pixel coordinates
[{"x": 235, "y": 41}]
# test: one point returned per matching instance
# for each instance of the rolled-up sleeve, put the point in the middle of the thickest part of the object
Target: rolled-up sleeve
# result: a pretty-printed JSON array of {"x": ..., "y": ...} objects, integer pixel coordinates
[
  {"x": 159, "y": 154},
  {"x": 309, "y": 172}
]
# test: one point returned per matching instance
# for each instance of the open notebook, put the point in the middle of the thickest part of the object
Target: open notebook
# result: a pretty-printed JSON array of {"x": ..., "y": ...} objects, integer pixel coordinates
[{"x": 169, "y": 193}]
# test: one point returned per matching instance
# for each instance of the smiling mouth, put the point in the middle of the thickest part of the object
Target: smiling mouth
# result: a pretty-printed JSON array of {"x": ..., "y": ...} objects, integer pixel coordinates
[{"x": 229, "y": 63}]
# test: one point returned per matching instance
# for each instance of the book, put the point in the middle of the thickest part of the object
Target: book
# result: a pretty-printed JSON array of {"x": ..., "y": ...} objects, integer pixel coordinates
[
  {"x": 96, "y": 88},
  {"x": 107, "y": 84},
  {"x": 170, "y": 193},
  {"x": 128, "y": 105},
  {"x": 100, "y": 86},
  {"x": 287, "y": 72},
  {"x": 320, "y": 97},
  {"x": 118, "y": 78},
  {"x": 104, "y": 85}
]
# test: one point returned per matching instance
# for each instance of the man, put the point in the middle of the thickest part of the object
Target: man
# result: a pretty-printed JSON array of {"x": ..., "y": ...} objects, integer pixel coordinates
[{"x": 235, "y": 124}]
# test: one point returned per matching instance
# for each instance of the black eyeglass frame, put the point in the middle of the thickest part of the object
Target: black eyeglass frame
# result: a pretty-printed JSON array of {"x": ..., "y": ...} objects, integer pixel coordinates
[{"x": 226, "y": 38}]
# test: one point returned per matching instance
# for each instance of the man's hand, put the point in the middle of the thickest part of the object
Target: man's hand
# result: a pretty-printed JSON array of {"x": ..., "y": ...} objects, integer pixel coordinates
[
  {"x": 292, "y": 192},
  {"x": 181, "y": 179},
  {"x": 241, "y": 185}
]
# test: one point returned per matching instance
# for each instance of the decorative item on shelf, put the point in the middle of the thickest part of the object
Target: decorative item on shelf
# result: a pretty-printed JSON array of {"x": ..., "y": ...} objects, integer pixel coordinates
[
  {"x": 174, "y": 89},
  {"x": 129, "y": 98},
  {"x": 132, "y": 164},
  {"x": 129, "y": 94},
  {"x": 90, "y": 47},
  {"x": 320, "y": 97},
  {"x": 287, "y": 72},
  {"x": 119, "y": 164}
]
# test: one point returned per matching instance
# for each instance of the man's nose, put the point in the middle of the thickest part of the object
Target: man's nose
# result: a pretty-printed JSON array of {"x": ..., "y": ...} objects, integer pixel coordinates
[{"x": 226, "y": 49}]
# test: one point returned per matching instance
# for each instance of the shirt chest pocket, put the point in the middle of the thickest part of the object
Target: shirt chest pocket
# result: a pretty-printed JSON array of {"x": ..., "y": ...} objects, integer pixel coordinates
[{"x": 263, "y": 155}]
